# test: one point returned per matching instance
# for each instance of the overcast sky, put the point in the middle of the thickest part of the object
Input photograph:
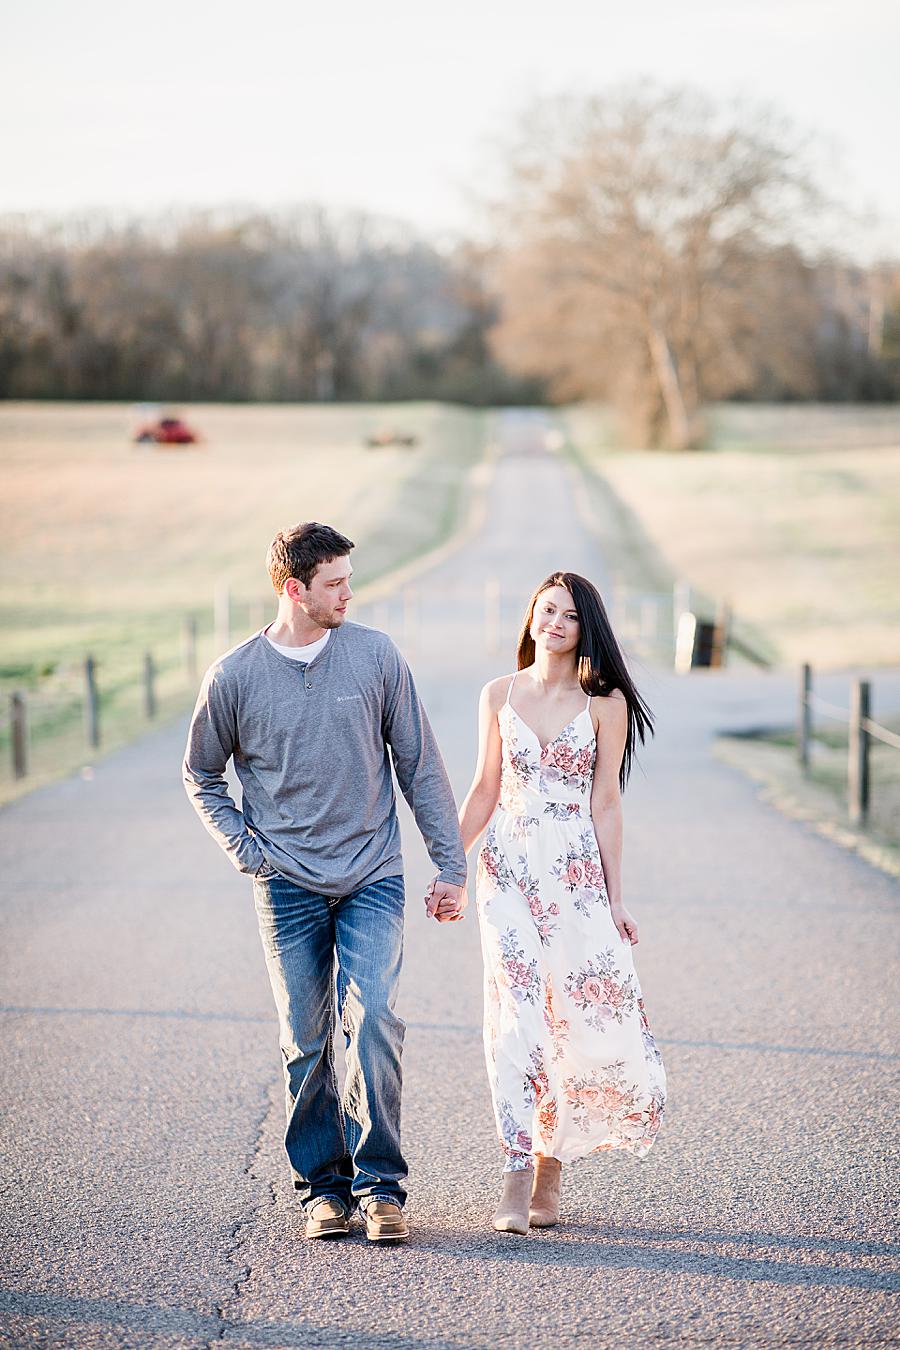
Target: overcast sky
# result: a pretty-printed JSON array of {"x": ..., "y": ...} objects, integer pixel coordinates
[{"x": 387, "y": 105}]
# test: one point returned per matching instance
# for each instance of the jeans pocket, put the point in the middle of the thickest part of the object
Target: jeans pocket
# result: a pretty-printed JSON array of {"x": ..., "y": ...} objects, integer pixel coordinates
[{"x": 266, "y": 872}]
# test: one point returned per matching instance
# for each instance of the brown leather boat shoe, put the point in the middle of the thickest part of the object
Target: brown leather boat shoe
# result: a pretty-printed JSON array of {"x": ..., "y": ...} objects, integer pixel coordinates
[
  {"x": 385, "y": 1222},
  {"x": 327, "y": 1219}
]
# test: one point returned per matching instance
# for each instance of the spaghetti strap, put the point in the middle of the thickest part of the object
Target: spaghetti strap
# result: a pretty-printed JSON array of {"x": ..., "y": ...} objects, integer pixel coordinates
[{"x": 507, "y": 704}]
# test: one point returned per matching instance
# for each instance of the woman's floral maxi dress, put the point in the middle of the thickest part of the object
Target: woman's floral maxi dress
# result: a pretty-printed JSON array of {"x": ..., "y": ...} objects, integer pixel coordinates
[{"x": 573, "y": 1066}]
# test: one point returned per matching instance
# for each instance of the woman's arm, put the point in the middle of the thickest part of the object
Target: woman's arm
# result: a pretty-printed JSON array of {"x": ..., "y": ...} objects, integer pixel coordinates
[
  {"x": 606, "y": 805},
  {"x": 484, "y": 792}
]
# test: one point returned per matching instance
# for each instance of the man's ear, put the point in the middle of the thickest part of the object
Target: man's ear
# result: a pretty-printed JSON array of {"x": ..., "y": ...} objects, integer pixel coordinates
[{"x": 295, "y": 590}]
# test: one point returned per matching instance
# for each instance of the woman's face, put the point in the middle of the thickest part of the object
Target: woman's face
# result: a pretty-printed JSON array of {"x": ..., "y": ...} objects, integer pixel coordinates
[{"x": 554, "y": 623}]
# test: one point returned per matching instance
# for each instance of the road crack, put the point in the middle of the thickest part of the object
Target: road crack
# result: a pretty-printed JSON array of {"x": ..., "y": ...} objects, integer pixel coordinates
[{"x": 253, "y": 1171}]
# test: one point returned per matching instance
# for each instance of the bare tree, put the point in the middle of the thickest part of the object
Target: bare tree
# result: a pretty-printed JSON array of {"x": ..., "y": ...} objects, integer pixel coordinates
[{"x": 647, "y": 237}]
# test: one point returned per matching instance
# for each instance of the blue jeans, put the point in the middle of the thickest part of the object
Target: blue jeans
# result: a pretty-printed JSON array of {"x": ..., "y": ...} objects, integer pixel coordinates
[{"x": 347, "y": 1149}]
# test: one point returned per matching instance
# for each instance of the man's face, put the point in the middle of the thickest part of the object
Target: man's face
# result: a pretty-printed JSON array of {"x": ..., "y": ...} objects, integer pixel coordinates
[{"x": 326, "y": 598}]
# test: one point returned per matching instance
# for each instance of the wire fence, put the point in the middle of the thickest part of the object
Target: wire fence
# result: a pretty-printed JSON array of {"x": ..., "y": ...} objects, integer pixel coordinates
[{"x": 63, "y": 718}]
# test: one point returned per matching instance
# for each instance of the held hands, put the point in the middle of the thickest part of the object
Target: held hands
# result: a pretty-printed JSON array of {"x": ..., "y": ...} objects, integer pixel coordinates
[
  {"x": 624, "y": 922},
  {"x": 445, "y": 902}
]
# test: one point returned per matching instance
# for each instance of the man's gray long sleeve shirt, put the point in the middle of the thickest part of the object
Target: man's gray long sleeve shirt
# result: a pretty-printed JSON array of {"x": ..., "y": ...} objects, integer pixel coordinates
[{"x": 312, "y": 748}]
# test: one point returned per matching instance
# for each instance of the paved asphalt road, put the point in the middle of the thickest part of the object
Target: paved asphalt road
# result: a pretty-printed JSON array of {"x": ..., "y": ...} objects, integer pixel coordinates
[{"x": 145, "y": 1196}]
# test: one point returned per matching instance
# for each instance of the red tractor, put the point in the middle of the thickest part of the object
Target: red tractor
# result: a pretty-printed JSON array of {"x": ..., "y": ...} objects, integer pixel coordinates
[{"x": 166, "y": 431}]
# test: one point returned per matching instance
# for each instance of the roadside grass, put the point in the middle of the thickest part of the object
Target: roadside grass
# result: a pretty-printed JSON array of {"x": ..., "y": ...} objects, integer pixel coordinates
[
  {"x": 793, "y": 516},
  {"x": 109, "y": 546},
  {"x": 819, "y": 796}
]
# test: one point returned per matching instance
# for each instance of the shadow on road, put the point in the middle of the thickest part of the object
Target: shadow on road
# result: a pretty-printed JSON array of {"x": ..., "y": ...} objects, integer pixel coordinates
[
  {"x": 136, "y": 1323},
  {"x": 590, "y": 1248}
]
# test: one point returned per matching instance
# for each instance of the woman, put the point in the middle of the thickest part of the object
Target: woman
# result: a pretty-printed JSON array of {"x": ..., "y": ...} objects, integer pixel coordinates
[{"x": 572, "y": 1064}]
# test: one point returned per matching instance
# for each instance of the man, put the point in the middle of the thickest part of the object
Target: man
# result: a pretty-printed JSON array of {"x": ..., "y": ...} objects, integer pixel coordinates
[{"x": 311, "y": 710}]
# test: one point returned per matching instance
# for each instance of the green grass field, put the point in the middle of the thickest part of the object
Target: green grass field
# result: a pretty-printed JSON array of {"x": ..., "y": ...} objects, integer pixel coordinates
[
  {"x": 793, "y": 516},
  {"x": 107, "y": 545}
]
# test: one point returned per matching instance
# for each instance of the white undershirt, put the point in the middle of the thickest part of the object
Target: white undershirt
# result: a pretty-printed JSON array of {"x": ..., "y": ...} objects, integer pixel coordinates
[{"x": 307, "y": 653}]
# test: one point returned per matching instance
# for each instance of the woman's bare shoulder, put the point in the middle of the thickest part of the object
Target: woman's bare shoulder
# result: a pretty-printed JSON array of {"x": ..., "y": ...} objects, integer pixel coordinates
[
  {"x": 495, "y": 691},
  {"x": 610, "y": 709}
]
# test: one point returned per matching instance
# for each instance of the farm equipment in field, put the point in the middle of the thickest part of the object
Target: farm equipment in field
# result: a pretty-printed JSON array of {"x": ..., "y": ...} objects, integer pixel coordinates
[
  {"x": 166, "y": 431},
  {"x": 381, "y": 440}
]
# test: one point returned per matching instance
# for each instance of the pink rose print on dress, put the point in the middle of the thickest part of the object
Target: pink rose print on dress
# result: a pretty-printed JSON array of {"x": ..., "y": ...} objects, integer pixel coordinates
[
  {"x": 519, "y": 976},
  {"x": 493, "y": 872},
  {"x": 543, "y": 915},
  {"x": 593, "y": 873},
  {"x": 601, "y": 992},
  {"x": 537, "y": 1083},
  {"x": 584, "y": 762},
  {"x": 558, "y": 1027},
  {"x": 606, "y": 1098},
  {"x": 581, "y": 872},
  {"x": 562, "y": 810},
  {"x": 562, "y": 757},
  {"x": 548, "y": 1114},
  {"x": 564, "y": 762},
  {"x": 651, "y": 1049}
]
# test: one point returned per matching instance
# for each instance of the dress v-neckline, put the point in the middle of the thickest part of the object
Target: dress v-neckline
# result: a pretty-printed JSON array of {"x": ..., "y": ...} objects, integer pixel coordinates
[{"x": 545, "y": 748}]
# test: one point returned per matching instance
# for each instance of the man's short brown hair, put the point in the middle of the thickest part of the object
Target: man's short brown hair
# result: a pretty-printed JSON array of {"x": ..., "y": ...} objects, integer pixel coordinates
[{"x": 300, "y": 551}]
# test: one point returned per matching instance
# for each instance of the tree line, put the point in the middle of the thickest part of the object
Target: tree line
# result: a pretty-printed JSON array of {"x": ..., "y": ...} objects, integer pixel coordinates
[
  {"x": 306, "y": 305},
  {"x": 648, "y": 248}
]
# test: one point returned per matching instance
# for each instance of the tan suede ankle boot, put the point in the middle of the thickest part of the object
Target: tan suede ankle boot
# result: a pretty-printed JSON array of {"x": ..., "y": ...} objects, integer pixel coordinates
[
  {"x": 544, "y": 1211},
  {"x": 511, "y": 1215}
]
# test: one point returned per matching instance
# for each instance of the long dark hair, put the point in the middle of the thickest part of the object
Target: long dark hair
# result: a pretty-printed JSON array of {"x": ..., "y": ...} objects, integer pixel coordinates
[{"x": 601, "y": 665}]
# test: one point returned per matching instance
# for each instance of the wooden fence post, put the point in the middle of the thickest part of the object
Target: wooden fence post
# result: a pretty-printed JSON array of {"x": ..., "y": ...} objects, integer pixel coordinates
[
  {"x": 721, "y": 633},
  {"x": 91, "y": 704},
  {"x": 149, "y": 687},
  {"x": 18, "y": 726},
  {"x": 222, "y": 611},
  {"x": 189, "y": 647},
  {"x": 804, "y": 719},
  {"x": 684, "y": 642},
  {"x": 858, "y": 763},
  {"x": 681, "y": 602}
]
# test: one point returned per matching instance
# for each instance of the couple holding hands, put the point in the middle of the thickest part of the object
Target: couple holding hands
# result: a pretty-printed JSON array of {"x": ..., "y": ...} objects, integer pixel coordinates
[{"x": 313, "y": 710}]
